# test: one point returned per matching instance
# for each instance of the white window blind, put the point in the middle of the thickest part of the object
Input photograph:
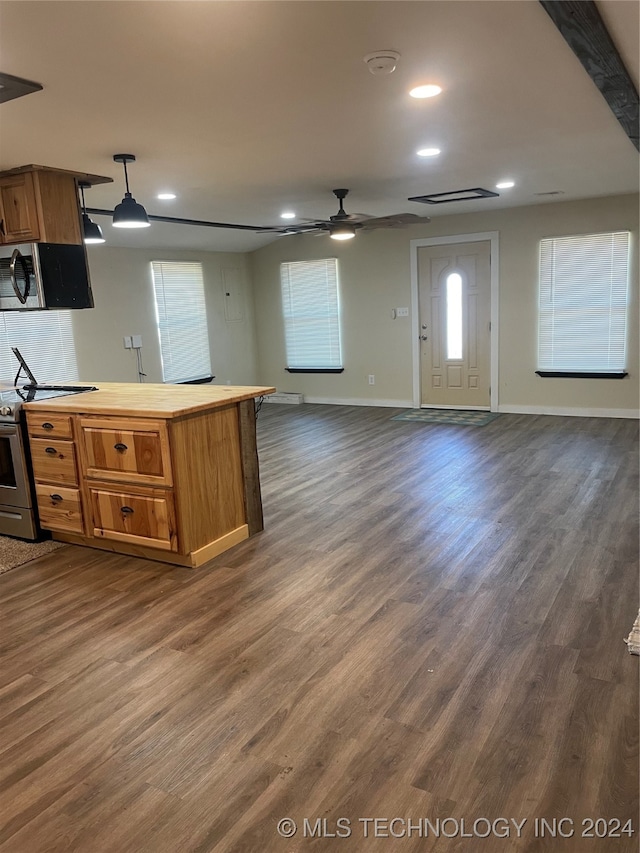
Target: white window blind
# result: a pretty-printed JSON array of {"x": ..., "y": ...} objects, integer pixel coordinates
[
  {"x": 45, "y": 339},
  {"x": 583, "y": 303},
  {"x": 182, "y": 320},
  {"x": 311, "y": 314}
]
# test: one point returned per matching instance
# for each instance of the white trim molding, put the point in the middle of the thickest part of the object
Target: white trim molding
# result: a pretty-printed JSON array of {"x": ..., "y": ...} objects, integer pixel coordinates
[
  {"x": 493, "y": 238},
  {"x": 359, "y": 401},
  {"x": 577, "y": 412}
]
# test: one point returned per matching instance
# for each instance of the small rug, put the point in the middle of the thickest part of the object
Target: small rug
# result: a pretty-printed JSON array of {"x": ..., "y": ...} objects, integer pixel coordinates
[
  {"x": 447, "y": 416},
  {"x": 633, "y": 640},
  {"x": 15, "y": 552}
]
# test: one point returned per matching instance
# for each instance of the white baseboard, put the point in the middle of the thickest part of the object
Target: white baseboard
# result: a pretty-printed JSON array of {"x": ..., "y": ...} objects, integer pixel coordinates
[
  {"x": 505, "y": 409},
  {"x": 569, "y": 412},
  {"x": 358, "y": 401}
]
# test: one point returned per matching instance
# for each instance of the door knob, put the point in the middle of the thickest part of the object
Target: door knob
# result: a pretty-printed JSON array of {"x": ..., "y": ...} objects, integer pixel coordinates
[{"x": 423, "y": 337}]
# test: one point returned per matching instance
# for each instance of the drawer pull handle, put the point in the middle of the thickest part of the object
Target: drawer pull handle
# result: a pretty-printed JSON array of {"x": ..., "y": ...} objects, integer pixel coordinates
[
  {"x": 127, "y": 510},
  {"x": 50, "y": 450},
  {"x": 47, "y": 425},
  {"x": 56, "y": 498},
  {"x": 120, "y": 447}
]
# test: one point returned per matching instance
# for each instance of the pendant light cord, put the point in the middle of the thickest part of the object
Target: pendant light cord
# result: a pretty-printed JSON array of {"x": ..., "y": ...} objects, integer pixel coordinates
[{"x": 126, "y": 176}]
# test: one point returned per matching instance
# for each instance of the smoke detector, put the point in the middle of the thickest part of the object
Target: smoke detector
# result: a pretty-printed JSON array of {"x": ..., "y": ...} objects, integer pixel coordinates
[{"x": 382, "y": 61}]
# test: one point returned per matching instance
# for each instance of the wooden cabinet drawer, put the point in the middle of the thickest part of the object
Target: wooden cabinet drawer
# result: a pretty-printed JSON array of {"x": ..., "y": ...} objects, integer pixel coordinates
[
  {"x": 144, "y": 517},
  {"x": 126, "y": 450},
  {"x": 54, "y": 461},
  {"x": 59, "y": 508},
  {"x": 49, "y": 424}
]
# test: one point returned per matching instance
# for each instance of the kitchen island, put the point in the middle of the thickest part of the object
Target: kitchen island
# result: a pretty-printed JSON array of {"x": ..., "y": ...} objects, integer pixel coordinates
[{"x": 166, "y": 472}]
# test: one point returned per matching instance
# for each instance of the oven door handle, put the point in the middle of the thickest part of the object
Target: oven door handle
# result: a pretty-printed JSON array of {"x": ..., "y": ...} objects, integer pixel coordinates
[{"x": 15, "y": 257}]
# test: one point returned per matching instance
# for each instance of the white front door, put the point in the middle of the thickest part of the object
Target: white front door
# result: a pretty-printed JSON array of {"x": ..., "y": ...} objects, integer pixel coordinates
[{"x": 454, "y": 287}]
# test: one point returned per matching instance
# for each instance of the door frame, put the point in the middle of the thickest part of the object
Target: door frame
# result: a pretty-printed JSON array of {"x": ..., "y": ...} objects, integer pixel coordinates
[{"x": 484, "y": 236}]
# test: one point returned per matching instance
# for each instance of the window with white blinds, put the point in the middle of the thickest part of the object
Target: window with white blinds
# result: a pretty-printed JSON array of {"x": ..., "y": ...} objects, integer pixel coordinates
[
  {"x": 311, "y": 310},
  {"x": 583, "y": 303},
  {"x": 182, "y": 320},
  {"x": 45, "y": 339}
]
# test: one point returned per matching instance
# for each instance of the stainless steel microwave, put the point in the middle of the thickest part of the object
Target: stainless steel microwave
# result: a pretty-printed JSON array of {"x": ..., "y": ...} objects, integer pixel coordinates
[{"x": 34, "y": 276}]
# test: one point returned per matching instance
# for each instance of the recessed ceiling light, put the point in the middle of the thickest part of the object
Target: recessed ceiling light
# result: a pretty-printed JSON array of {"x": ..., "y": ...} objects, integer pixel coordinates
[
  {"x": 288, "y": 214},
  {"x": 166, "y": 196},
  {"x": 505, "y": 185},
  {"x": 425, "y": 91},
  {"x": 428, "y": 152}
]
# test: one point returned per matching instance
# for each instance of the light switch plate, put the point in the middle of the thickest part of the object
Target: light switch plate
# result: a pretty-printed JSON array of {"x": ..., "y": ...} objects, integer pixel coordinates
[{"x": 402, "y": 312}]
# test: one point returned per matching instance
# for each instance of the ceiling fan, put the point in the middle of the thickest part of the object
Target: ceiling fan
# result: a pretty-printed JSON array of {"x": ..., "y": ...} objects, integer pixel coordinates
[
  {"x": 340, "y": 226},
  {"x": 343, "y": 225}
]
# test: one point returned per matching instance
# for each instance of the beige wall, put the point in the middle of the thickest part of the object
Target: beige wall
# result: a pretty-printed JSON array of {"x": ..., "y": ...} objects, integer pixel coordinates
[
  {"x": 124, "y": 305},
  {"x": 375, "y": 277}
]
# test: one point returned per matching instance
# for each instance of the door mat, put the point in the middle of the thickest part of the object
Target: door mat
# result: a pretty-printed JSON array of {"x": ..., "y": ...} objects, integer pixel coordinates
[
  {"x": 15, "y": 552},
  {"x": 633, "y": 640},
  {"x": 447, "y": 416}
]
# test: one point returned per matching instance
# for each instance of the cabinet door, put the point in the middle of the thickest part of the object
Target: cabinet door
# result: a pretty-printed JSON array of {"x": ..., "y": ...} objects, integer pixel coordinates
[
  {"x": 126, "y": 450},
  {"x": 18, "y": 209},
  {"x": 146, "y": 519}
]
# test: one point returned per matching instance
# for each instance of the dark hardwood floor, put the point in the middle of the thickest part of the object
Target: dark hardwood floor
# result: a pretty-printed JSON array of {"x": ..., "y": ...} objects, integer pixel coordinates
[{"x": 430, "y": 627}]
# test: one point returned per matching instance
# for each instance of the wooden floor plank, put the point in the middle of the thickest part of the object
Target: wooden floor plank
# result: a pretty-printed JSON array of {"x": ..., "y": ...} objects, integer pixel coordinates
[{"x": 429, "y": 626}]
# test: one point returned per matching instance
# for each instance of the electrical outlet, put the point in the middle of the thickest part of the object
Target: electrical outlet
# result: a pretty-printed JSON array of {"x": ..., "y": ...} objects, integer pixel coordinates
[
  {"x": 127, "y": 342},
  {"x": 372, "y": 379},
  {"x": 136, "y": 341},
  {"x": 402, "y": 312}
]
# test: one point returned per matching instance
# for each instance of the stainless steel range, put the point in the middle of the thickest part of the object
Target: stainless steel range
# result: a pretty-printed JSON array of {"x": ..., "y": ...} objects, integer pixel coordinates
[{"x": 18, "y": 510}]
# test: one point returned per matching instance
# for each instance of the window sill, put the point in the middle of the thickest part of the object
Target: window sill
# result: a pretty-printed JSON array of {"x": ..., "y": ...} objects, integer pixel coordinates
[
  {"x": 581, "y": 374},
  {"x": 202, "y": 381},
  {"x": 314, "y": 369}
]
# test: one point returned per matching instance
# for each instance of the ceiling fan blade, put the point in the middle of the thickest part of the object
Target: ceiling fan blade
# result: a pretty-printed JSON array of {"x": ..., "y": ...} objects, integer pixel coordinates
[
  {"x": 303, "y": 228},
  {"x": 395, "y": 220},
  {"x": 350, "y": 217}
]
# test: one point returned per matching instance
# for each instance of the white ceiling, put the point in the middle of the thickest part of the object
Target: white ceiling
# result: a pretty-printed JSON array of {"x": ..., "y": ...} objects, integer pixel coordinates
[{"x": 247, "y": 108}]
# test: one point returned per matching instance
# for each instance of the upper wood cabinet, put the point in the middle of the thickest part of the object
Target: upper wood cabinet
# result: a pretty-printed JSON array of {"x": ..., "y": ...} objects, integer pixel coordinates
[
  {"x": 41, "y": 205},
  {"x": 18, "y": 210}
]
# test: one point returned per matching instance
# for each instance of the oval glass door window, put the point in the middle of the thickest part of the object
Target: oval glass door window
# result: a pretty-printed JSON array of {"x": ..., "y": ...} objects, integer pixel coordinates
[{"x": 454, "y": 316}]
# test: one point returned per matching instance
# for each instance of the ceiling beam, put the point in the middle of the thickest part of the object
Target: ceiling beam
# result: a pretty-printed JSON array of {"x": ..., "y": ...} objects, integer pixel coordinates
[{"x": 583, "y": 29}]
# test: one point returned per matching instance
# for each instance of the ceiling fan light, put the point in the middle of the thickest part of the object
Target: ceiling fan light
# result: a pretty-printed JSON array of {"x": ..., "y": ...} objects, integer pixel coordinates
[
  {"x": 344, "y": 231},
  {"x": 91, "y": 231},
  {"x": 130, "y": 214}
]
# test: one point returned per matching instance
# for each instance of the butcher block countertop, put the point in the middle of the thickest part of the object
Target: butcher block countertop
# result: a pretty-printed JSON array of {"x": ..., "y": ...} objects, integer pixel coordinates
[{"x": 148, "y": 401}]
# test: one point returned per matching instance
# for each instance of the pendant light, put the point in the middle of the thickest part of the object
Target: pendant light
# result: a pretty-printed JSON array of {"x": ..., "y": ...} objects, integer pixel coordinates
[
  {"x": 129, "y": 214},
  {"x": 92, "y": 232}
]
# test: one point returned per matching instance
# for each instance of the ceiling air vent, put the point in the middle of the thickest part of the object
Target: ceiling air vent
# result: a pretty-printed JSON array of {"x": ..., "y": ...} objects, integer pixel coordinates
[
  {"x": 456, "y": 195},
  {"x": 15, "y": 87}
]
